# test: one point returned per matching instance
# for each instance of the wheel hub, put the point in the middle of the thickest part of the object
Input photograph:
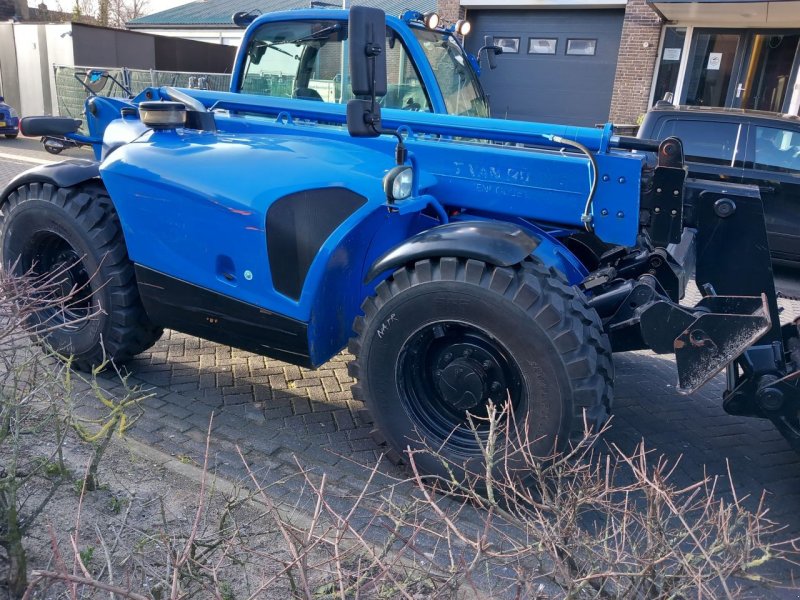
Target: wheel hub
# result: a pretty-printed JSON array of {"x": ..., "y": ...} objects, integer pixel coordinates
[
  {"x": 449, "y": 373},
  {"x": 462, "y": 383}
]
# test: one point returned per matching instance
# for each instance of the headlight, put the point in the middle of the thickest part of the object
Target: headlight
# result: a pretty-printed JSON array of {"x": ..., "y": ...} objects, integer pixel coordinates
[
  {"x": 398, "y": 183},
  {"x": 162, "y": 115}
]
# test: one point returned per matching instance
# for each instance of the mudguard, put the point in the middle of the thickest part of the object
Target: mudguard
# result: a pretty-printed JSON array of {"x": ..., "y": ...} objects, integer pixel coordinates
[
  {"x": 62, "y": 174},
  {"x": 494, "y": 242}
]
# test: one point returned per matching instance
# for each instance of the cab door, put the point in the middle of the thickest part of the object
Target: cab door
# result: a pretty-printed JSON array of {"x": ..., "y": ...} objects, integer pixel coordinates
[{"x": 773, "y": 164}]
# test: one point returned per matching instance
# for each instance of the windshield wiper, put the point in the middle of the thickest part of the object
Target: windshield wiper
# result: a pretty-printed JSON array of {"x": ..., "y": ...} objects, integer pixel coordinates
[{"x": 322, "y": 34}]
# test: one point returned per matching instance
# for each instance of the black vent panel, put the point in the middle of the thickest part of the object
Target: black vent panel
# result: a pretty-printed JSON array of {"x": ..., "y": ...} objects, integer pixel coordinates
[{"x": 297, "y": 227}]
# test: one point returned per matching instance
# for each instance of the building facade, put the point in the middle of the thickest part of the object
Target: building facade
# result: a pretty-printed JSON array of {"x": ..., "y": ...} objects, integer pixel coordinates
[
  {"x": 733, "y": 54},
  {"x": 586, "y": 61}
]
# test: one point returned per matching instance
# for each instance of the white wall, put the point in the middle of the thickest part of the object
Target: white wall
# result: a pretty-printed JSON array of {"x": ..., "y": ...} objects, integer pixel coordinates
[
  {"x": 59, "y": 52},
  {"x": 26, "y": 37},
  {"x": 230, "y": 37}
]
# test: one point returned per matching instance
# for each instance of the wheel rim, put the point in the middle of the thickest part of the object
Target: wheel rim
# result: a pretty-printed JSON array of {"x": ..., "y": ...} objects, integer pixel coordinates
[
  {"x": 52, "y": 258},
  {"x": 447, "y": 370}
]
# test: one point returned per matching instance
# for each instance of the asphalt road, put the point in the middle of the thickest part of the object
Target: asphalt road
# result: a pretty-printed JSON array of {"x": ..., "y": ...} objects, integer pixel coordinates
[{"x": 278, "y": 412}]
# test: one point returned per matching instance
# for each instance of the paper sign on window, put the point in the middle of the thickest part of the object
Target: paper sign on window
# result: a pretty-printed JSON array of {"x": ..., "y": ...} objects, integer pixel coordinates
[
  {"x": 714, "y": 61},
  {"x": 672, "y": 53}
]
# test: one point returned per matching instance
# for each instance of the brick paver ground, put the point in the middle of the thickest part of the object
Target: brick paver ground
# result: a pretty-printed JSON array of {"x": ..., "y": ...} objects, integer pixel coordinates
[{"x": 277, "y": 412}]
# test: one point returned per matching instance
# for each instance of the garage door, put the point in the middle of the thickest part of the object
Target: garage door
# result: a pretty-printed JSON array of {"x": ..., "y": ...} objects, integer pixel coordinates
[{"x": 557, "y": 66}]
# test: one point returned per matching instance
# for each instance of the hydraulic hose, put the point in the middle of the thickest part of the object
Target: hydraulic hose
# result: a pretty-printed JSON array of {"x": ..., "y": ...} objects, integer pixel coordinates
[{"x": 586, "y": 217}]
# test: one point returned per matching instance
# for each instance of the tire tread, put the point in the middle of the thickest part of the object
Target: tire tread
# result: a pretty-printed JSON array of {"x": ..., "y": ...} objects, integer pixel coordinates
[{"x": 574, "y": 327}]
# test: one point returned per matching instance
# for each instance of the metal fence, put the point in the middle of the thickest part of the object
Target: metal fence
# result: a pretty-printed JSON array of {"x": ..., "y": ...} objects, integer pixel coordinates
[{"x": 73, "y": 83}]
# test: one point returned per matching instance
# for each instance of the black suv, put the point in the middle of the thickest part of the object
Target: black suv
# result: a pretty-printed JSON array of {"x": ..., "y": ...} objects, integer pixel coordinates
[{"x": 742, "y": 146}]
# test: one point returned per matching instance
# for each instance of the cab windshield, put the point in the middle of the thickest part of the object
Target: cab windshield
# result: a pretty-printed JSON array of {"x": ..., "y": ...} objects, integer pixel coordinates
[{"x": 454, "y": 74}]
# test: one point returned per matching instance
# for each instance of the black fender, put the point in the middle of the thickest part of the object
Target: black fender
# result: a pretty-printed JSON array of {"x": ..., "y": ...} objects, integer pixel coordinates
[
  {"x": 62, "y": 174},
  {"x": 495, "y": 242}
]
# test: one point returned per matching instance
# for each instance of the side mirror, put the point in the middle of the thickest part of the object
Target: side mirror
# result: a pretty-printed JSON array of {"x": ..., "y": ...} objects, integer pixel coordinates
[
  {"x": 244, "y": 18},
  {"x": 367, "y": 29},
  {"x": 257, "y": 52},
  {"x": 491, "y": 51},
  {"x": 367, "y": 32}
]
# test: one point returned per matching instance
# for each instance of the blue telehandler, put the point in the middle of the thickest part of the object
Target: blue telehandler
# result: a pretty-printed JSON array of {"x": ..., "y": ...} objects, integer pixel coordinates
[{"x": 351, "y": 190}]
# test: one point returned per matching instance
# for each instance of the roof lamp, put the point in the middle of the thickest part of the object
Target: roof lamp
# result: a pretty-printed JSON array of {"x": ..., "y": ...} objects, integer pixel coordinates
[
  {"x": 463, "y": 27},
  {"x": 431, "y": 20}
]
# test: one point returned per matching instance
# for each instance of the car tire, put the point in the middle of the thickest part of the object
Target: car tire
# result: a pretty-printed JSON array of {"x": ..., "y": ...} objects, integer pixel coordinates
[
  {"x": 11, "y": 136},
  {"x": 450, "y": 324},
  {"x": 76, "y": 232}
]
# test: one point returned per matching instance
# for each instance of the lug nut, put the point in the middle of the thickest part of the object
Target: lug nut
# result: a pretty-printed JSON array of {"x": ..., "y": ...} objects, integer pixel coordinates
[
  {"x": 487, "y": 364},
  {"x": 448, "y": 357},
  {"x": 496, "y": 386},
  {"x": 438, "y": 372},
  {"x": 467, "y": 353}
]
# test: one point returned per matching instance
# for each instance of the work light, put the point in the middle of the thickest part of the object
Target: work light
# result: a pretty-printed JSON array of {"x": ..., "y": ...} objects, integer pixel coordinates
[
  {"x": 398, "y": 183},
  {"x": 463, "y": 27},
  {"x": 431, "y": 20}
]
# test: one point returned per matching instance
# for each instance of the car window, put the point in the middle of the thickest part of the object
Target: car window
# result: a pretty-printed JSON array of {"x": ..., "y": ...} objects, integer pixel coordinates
[
  {"x": 711, "y": 142},
  {"x": 308, "y": 59},
  {"x": 777, "y": 149}
]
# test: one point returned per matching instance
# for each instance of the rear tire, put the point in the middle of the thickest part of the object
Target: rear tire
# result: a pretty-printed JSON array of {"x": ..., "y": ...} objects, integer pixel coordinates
[
  {"x": 76, "y": 231},
  {"x": 442, "y": 333},
  {"x": 11, "y": 136}
]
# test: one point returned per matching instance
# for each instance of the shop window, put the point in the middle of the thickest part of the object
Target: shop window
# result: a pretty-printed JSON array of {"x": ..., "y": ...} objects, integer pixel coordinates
[
  {"x": 542, "y": 45},
  {"x": 711, "y": 142},
  {"x": 510, "y": 45},
  {"x": 582, "y": 47},
  {"x": 669, "y": 65}
]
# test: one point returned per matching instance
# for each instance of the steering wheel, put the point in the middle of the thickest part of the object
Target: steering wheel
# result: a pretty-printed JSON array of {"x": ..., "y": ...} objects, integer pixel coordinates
[{"x": 412, "y": 104}]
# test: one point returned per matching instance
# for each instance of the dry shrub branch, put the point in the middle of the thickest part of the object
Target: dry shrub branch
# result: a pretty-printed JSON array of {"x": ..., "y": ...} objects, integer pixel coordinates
[
  {"x": 583, "y": 524},
  {"x": 608, "y": 524}
]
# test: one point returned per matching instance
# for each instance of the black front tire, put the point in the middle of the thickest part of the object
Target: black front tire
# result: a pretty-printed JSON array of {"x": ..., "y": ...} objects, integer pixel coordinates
[
  {"x": 76, "y": 232},
  {"x": 519, "y": 333}
]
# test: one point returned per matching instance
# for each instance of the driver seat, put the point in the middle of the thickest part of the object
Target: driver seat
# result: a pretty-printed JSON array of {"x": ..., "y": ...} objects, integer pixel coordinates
[{"x": 305, "y": 93}]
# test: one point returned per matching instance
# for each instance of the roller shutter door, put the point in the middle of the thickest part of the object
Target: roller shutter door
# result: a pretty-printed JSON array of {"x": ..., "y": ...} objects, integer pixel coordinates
[{"x": 542, "y": 81}]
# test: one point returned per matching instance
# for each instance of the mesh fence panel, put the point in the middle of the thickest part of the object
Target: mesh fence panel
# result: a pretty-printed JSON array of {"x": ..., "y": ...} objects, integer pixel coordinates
[{"x": 72, "y": 94}]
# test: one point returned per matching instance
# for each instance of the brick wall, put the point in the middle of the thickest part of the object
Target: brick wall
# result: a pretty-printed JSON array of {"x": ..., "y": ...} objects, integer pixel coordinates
[
  {"x": 7, "y": 9},
  {"x": 10, "y": 8},
  {"x": 450, "y": 10},
  {"x": 636, "y": 63}
]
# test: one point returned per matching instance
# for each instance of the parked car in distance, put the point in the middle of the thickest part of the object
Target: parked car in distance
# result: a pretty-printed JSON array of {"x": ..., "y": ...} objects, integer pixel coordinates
[
  {"x": 742, "y": 146},
  {"x": 9, "y": 120}
]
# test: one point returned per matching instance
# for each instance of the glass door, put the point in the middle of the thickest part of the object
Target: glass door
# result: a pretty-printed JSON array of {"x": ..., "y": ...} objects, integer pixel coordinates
[
  {"x": 766, "y": 74},
  {"x": 709, "y": 73},
  {"x": 670, "y": 64}
]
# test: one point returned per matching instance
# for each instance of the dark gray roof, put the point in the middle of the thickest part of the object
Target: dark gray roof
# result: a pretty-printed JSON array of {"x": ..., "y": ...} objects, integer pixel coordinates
[{"x": 216, "y": 13}]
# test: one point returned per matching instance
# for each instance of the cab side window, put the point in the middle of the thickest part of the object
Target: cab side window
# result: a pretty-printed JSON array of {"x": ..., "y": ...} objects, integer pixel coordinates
[
  {"x": 404, "y": 88},
  {"x": 710, "y": 142},
  {"x": 777, "y": 149},
  {"x": 308, "y": 60}
]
